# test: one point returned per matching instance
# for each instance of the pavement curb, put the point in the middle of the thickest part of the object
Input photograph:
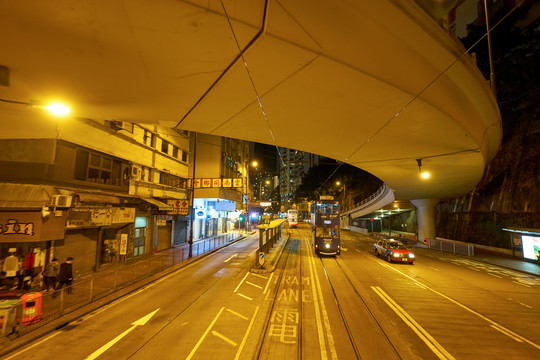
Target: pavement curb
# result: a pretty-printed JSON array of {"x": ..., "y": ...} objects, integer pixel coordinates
[
  {"x": 275, "y": 259},
  {"x": 8, "y": 346}
]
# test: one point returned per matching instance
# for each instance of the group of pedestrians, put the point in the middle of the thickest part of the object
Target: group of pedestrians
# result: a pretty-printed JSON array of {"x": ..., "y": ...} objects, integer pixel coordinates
[{"x": 56, "y": 276}]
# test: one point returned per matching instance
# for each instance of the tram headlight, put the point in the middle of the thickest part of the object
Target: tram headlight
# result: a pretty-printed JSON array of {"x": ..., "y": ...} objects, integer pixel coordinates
[{"x": 327, "y": 246}]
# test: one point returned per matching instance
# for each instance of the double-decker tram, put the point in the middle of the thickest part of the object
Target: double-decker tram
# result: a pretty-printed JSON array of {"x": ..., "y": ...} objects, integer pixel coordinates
[
  {"x": 292, "y": 217},
  {"x": 325, "y": 226}
]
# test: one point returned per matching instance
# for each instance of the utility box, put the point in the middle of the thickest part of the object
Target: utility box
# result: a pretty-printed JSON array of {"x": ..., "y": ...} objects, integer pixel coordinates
[
  {"x": 31, "y": 308},
  {"x": 8, "y": 315}
]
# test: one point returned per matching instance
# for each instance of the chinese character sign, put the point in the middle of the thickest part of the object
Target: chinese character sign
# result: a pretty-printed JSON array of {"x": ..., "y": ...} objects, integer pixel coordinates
[
  {"x": 217, "y": 183},
  {"x": 237, "y": 182}
]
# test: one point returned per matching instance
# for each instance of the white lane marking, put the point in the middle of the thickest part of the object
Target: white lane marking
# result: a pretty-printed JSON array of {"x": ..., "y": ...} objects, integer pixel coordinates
[
  {"x": 224, "y": 338},
  {"x": 517, "y": 282},
  {"x": 268, "y": 283},
  {"x": 237, "y": 314},
  {"x": 241, "y": 281},
  {"x": 244, "y": 296},
  {"x": 246, "y": 334},
  {"x": 33, "y": 345},
  {"x": 255, "y": 285},
  {"x": 259, "y": 275},
  {"x": 141, "y": 322},
  {"x": 437, "y": 348},
  {"x": 465, "y": 307},
  {"x": 530, "y": 307},
  {"x": 230, "y": 258},
  {"x": 204, "y": 335}
]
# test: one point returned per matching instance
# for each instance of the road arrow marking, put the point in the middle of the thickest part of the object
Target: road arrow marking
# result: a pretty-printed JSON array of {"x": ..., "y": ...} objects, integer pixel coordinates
[
  {"x": 229, "y": 259},
  {"x": 142, "y": 321}
]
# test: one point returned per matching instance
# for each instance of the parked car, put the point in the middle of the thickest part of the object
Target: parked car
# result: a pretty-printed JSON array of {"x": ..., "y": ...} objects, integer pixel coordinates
[{"x": 393, "y": 250}]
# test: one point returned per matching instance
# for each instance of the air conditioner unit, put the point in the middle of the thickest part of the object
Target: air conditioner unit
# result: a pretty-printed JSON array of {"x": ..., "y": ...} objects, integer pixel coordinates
[
  {"x": 62, "y": 200},
  {"x": 115, "y": 125},
  {"x": 136, "y": 172}
]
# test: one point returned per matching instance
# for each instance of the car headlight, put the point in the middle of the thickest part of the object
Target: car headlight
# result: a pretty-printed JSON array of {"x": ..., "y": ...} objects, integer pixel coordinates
[
  {"x": 411, "y": 256},
  {"x": 395, "y": 254}
]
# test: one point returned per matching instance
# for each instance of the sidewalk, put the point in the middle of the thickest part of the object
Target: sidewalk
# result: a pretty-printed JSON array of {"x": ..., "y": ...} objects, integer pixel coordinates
[
  {"x": 506, "y": 261},
  {"x": 486, "y": 256},
  {"x": 58, "y": 320}
]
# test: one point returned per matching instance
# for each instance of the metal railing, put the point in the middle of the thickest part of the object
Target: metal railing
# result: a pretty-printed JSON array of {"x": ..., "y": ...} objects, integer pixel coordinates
[
  {"x": 370, "y": 199},
  {"x": 451, "y": 246},
  {"x": 53, "y": 305}
]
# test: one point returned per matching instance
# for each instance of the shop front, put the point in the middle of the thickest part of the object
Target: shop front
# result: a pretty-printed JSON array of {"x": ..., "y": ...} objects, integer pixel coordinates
[
  {"x": 26, "y": 239},
  {"x": 106, "y": 231}
]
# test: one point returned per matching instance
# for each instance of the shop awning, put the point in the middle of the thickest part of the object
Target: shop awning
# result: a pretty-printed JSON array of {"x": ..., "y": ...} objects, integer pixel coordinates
[
  {"x": 160, "y": 205},
  {"x": 97, "y": 198},
  {"x": 25, "y": 196}
]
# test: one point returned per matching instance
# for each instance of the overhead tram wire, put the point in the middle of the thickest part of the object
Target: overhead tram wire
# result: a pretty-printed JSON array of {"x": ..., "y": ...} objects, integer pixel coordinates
[{"x": 251, "y": 79}]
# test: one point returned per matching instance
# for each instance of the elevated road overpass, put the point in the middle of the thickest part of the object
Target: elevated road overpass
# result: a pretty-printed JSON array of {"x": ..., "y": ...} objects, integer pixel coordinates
[{"x": 376, "y": 84}]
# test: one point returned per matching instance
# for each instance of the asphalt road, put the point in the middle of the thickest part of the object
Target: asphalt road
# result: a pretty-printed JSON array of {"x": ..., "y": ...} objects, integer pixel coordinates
[{"x": 352, "y": 306}]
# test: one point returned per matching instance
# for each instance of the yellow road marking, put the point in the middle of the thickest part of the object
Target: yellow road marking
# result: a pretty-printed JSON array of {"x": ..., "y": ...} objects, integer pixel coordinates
[
  {"x": 419, "y": 330},
  {"x": 466, "y": 308}
]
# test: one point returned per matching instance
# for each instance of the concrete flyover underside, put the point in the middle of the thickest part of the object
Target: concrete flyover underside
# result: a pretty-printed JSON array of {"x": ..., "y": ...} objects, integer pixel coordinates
[{"x": 376, "y": 84}]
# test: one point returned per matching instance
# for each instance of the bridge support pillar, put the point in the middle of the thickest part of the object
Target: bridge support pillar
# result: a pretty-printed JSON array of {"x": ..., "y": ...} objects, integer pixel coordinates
[{"x": 425, "y": 219}]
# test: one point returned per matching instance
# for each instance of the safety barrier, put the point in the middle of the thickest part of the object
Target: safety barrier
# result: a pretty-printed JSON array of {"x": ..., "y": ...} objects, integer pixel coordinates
[
  {"x": 268, "y": 236},
  {"x": 38, "y": 310}
]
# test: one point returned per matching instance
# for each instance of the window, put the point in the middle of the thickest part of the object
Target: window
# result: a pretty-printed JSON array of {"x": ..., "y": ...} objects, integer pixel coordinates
[
  {"x": 172, "y": 180},
  {"x": 184, "y": 156},
  {"x": 148, "y": 138},
  {"x": 97, "y": 168},
  {"x": 165, "y": 146},
  {"x": 175, "y": 152}
]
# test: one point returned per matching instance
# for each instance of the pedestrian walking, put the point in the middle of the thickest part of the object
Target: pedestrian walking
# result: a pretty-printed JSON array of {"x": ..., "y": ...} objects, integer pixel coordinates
[
  {"x": 49, "y": 275},
  {"x": 65, "y": 276}
]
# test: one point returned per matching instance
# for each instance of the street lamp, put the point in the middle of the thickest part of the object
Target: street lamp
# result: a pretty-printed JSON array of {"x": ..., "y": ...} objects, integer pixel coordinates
[{"x": 267, "y": 182}]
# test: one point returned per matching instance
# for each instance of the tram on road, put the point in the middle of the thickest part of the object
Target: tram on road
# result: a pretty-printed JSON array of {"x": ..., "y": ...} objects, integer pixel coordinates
[
  {"x": 292, "y": 217},
  {"x": 325, "y": 226}
]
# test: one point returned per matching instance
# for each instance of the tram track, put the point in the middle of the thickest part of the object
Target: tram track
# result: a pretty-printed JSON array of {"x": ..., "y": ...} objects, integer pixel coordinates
[
  {"x": 329, "y": 275},
  {"x": 265, "y": 342}
]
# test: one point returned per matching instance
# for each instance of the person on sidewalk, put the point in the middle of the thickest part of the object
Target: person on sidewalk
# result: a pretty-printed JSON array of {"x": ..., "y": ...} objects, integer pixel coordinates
[
  {"x": 65, "y": 276},
  {"x": 49, "y": 275}
]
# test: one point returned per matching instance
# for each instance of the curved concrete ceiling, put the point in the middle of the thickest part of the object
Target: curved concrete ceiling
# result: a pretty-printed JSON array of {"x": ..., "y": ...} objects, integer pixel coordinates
[{"x": 376, "y": 84}]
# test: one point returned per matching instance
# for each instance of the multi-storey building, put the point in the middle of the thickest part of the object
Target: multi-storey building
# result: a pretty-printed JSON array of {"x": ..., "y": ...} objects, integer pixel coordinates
[
  {"x": 99, "y": 191},
  {"x": 294, "y": 166},
  {"x": 221, "y": 184}
]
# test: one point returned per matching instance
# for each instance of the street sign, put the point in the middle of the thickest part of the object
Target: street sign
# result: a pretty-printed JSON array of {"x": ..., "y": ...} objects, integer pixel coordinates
[{"x": 261, "y": 258}]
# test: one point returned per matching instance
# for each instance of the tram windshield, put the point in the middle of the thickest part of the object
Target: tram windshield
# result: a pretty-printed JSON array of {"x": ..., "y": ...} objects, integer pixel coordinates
[
  {"x": 327, "y": 231},
  {"x": 328, "y": 208}
]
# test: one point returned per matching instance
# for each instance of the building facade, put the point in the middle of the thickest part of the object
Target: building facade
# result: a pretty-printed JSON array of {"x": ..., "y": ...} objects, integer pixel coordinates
[
  {"x": 99, "y": 191},
  {"x": 294, "y": 166},
  {"x": 220, "y": 184}
]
